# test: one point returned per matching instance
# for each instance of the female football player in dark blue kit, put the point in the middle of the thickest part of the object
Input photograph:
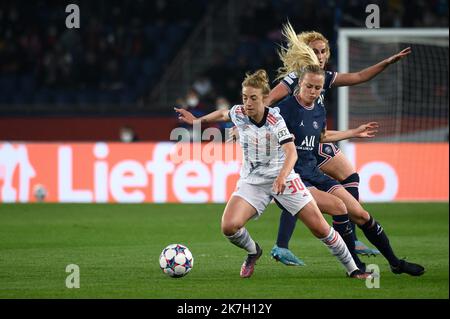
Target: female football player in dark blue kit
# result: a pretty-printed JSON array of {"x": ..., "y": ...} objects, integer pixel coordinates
[
  {"x": 330, "y": 159},
  {"x": 305, "y": 118}
]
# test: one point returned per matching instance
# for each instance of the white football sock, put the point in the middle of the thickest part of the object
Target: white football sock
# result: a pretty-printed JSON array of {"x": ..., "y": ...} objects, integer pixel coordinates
[
  {"x": 337, "y": 246},
  {"x": 243, "y": 240}
]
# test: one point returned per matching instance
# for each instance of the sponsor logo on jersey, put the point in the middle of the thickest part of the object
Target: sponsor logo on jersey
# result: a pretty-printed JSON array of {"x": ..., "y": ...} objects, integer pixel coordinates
[
  {"x": 307, "y": 143},
  {"x": 301, "y": 123}
]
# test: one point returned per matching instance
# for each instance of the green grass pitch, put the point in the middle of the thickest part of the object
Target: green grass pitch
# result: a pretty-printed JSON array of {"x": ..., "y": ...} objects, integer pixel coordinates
[{"x": 117, "y": 247}]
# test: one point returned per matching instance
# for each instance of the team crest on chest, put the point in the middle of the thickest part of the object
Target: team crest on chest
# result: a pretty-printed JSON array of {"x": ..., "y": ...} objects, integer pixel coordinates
[{"x": 315, "y": 125}]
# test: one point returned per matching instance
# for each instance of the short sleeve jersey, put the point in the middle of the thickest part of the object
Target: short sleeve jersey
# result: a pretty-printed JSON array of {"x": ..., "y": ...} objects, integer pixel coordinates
[
  {"x": 261, "y": 143},
  {"x": 307, "y": 124}
]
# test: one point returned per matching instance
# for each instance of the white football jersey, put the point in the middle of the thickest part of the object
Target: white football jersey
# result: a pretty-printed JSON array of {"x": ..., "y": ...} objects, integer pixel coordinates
[{"x": 261, "y": 143}]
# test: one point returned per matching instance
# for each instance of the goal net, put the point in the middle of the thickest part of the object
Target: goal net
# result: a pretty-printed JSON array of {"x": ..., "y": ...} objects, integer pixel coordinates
[{"x": 410, "y": 98}]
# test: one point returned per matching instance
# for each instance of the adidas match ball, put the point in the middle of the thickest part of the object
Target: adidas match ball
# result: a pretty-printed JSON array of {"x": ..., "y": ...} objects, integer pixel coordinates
[{"x": 176, "y": 260}]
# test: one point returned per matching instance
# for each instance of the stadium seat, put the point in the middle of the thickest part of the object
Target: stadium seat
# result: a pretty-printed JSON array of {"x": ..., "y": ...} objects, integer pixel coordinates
[
  {"x": 162, "y": 53},
  {"x": 105, "y": 97},
  {"x": 85, "y": 97},
  {"x": 43, "y": 96},
  {"x": 63, "y": 98},
  {"x": 7, "y": 83},
  {"x": 131, "y": 68},
  {"x": 127, "y": 97},
  {"x": 26, "y": 84},
  {"x": 20, "y": 98}
]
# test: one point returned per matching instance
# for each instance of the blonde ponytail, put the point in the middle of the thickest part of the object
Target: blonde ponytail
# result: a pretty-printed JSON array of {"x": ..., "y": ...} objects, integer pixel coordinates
[{"x": 296, "y": 55}]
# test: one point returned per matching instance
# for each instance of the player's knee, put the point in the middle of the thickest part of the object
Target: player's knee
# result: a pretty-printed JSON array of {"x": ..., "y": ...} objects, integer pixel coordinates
[
  {"x": 320, "y": 228},
  {"x": 339, "y": 207},
  {"x": 360, "y": 217},
  {"x": 322, "y": 231},
  {"x": 230, "y": 227},
  {"x": 365, "y": 216}
]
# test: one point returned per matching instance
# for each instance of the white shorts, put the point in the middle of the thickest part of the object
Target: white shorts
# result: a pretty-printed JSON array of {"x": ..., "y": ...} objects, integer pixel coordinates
[{"x": 293, "y": 199}]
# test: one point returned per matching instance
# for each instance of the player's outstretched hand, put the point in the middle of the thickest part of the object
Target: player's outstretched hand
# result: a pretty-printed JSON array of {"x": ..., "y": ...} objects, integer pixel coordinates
[
  {"x": 397, "y": 57},
  {"x": 367, "y": 130},
  {"x": 185, "y": 116},
  {"x": 279, "y": 185}
]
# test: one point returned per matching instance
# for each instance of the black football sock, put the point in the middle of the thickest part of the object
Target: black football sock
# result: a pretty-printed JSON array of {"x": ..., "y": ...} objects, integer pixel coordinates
[
  {"x": 285, "y": 229},
  {"x": 353, "y": 226},
  {"x": 341, "y": 224},
  {"x": 376, "y": 235},
  {"x": 351, "y": 184}
]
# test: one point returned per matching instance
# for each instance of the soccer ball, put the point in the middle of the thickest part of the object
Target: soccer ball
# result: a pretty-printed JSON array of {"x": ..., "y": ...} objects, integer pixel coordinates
[{"x": 176, "y": 260}]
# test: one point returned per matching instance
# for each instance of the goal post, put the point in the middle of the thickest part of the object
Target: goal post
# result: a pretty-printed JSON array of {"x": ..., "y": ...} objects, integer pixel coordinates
[{"x": 409, "y": 98}]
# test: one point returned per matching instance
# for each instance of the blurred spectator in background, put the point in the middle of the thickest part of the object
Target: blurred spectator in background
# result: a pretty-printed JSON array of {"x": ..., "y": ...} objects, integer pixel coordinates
[
  {"x": 127, "y": 135},
  {"x": 198, "y": 108},
  {"x": 113, "y": 59},
  {"x": 124, "y": 47},
  {"x": 223, "y": 104},
  {"x": 203, "y": 87},
  {"x": 194, "y": 104}
]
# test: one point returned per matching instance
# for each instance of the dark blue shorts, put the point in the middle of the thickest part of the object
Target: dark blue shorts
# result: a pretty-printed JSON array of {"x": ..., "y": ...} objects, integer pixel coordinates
[
  {"x": 321, "y": 181},
  {"x": 326, "y": 152}
]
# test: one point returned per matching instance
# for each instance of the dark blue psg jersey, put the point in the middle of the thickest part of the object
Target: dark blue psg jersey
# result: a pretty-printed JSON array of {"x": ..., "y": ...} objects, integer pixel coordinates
[
  {"x": 290, "y": 81},
  {"x": 307, "y": 124}
]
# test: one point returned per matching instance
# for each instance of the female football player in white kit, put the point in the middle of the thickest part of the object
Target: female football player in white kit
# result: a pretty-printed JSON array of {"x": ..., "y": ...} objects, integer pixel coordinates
[{"x": 267, "y": 173}]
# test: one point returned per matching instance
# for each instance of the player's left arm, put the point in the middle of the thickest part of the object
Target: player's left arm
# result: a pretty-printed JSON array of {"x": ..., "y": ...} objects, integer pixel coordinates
[
  {"x": 348, "y": 79},
  {"x": 367, "y": 130},
  {"x": 277, "y": 93},
  {"x": 286, "y": 141},
  {"x": 213, "y": 117},
  {"x": 290, "y": 151}
]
